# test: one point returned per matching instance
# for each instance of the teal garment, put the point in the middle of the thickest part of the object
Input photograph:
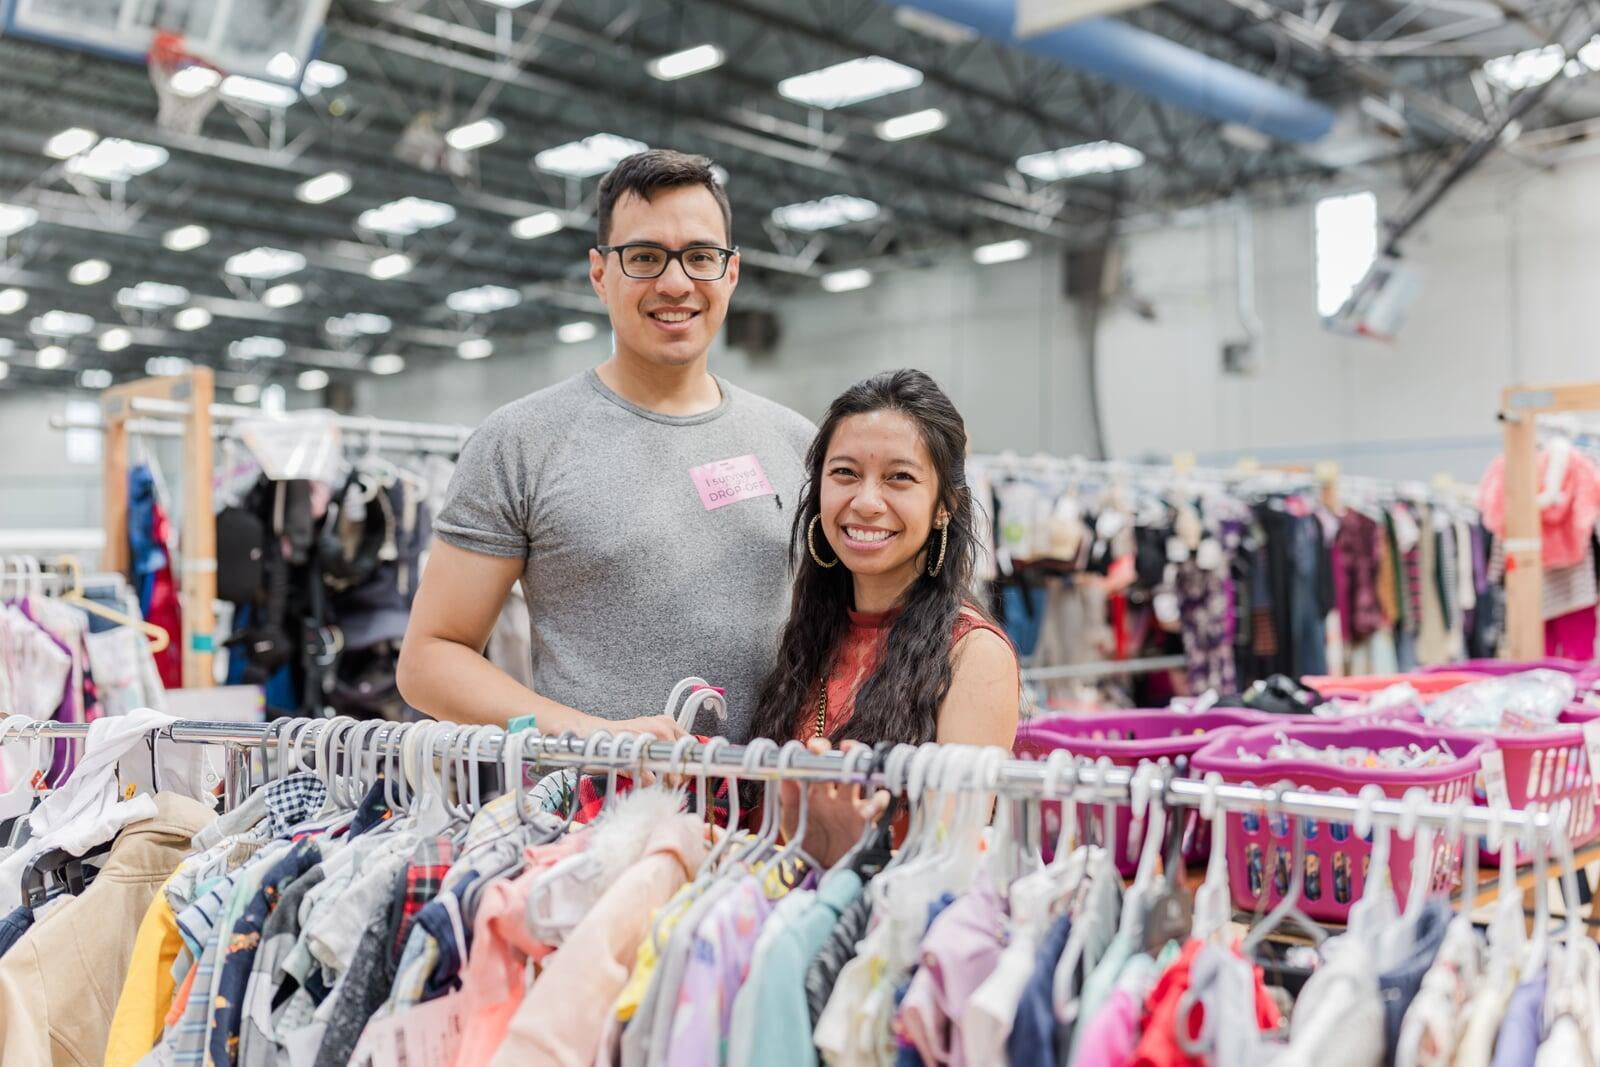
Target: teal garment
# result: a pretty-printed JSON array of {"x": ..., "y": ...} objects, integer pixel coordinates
[
  {"x": 1098, "y": 986},
  {"x": 779, "y": 988}
]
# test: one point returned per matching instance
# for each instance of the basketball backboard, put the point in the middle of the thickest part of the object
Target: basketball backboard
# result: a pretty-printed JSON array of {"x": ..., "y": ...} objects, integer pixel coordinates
[{"x": 236, "y": 36}]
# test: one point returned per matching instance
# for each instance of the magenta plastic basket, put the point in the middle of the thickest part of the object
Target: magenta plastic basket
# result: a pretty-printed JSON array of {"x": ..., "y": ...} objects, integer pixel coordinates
[
  {"x": 1261, "y": 846},
  {"x": 1127, "y": 738}
]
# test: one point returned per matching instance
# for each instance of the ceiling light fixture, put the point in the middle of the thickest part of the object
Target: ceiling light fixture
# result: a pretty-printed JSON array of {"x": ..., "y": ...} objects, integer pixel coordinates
[
  {"x": 12, "y": 301},
  {"x": 916, "y": 124},
  {"x": 1096, "y": 157},
  {"x": 1523, "y": 70},
  {"x": 843, "y": 281},
  {"x": 576, "y": 332},
  {"x": 406, "y": 216},
  {"x": 475, "y": 135},
  {"x": 69, "y": 142},
  {"x": 5, "y": 371},
  {"x": 850, "y": 82},
  {"x": 167, "y": 366},
  {"x": 61, "y": 324},
  {"x": 94, "y": 378},
  {"x": 475, "y": 348},
  {"x": 152, "y": 296},
  {"x": 390, "y": 266},
  {"x": 243, "y": 90},
  {"x": 191, "y": 319},
  {"x": 185, "y": 238},
  {"x": 248, "y": 393},
  {"x": 258, "y": 348},
  {"x": 284, "y": 66},
  {"x": 264, "y": 263},
  {"x": 1001, "y": 252},
  {"x": 116, "y": 339},
  {"x": 539, "y": 224},
  {"x": 89, "y": 272},
  {"x": 323, "y": 188},
  {"x": 320, "y": 74},
  {"x": 690, "y": 61},
  {"x": 312, "y": 380},
  {"x": 483, "y": 299},
  {"x": 117, "y": 160},
  {"x": 357, "y": 324},
  {"x": 281, "y": 296},
  {"x": 825, "y": 214},
  {"x": 14, "y": 218},
  {"x": 386, "y": 363},
  {"x": 196, "y": 80},
  {"x": 50, "y": 357},
  {"x": 593, "y": 155}
]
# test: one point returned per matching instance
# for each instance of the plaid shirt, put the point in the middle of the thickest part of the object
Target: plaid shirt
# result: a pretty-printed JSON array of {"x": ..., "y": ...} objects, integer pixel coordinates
[{"x": 425, "y": 874}]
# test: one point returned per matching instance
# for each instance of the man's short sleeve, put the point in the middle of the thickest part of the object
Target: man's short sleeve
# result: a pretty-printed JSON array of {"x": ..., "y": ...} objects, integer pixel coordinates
[{"x": 486, "y": 506}]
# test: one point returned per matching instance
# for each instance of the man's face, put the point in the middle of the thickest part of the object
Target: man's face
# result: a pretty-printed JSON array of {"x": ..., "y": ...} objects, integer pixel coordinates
[{"x": 667, "y": 321}]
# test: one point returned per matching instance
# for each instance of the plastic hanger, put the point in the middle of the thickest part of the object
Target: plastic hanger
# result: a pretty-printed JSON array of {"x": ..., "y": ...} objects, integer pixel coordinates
[
  {"x": 159, "y": 638},
  {"x": 707, "y": 759},
  {"x": 754, "y": 754},
  {"x": 791, "y": 850},
  {"x": 860, "y": 762},
  {"x": 1288, "y": 909},
  {"x": 1213, "y": 904}
]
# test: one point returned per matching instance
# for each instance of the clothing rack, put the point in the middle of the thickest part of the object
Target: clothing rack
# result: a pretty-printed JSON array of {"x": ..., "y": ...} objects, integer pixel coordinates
[{"x": 893, "y": 769}]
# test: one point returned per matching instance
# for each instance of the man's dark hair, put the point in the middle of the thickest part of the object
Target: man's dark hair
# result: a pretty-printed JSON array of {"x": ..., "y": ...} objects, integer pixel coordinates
[{"x": 647, "y": 173}]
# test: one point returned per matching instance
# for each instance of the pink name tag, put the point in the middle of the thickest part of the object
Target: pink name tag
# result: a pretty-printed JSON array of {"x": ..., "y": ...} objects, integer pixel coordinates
[{"x": 729, "y": 481}]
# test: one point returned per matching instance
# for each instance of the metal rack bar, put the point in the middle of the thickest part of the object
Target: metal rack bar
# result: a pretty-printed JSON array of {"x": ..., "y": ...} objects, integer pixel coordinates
[{"x": 1102, "y": 668}]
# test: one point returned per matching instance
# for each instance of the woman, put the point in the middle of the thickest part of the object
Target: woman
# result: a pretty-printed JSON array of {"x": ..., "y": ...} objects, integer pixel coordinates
[{"x": 883, "y": 642}]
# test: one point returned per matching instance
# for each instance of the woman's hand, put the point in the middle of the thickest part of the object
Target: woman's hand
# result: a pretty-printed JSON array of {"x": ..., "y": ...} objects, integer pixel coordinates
[{"x": 837, "y": 815}]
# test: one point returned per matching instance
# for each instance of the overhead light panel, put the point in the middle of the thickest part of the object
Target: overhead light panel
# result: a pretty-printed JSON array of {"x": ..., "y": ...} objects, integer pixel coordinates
[
  {"x": 69, "y": 142},
  {"x": 323, "y": 188},
  {"x": 406, "y": 216},
  {"x": 264, "y": 263},
  {"x": 483, "y": 299},
  {"x": 532, "y": 227},
  {"x": 320, "y": 74},
  {"x": 576, "y": 332},
  {"x": 61, "y": 324},
  {"x": 116, "y": 339},
  {"x": 1001, "y": 252},
  {"x": 248, "y": 393},
  {"x": 195, "y": 80},
  {"x": 89, "y": 272},
  {"x": 1523, "y": 70},
  {"x": 1096, "y": 157},
  {"x": 390, "y": 266},
  {"x": 5, "y": 371},
  {"x": 475, "y": 348},
  {"x": 843, "y": 281},
  {"x": 510, "y": 5},
  {"x": 50, "y": 357},
  {"x": 185, "y": 238},
  {"x": 475, "y": 135},
  {"x": 284, "y": 66},
  {"x": 593, "y": 155},
  {"x": 281, "y": 296},
  {"x": 12, "y": 301},
  {"x": 850, "y": 82},
  {"x": 94, "y": 378},
  {"x": 258, "y": 348},
  {"x": 358, "y": 324},
  {"x": 312, "y": 380},
  {"x": 386, "y": 363},
  {"x": 916, "y": 124},
  {"x": 152, "y": 296},
  {"x": 690, "y": 61},
  {"x": 191, "y": 319},
  {"x": 117, "y": 160},
  {"x": 825, "y": 214},
  {"x": 167, "y": 366},
  {"x": 243, "y": 90},
  {"x": 1589, "y": 54},
  {"x": 14, "y": 218}
]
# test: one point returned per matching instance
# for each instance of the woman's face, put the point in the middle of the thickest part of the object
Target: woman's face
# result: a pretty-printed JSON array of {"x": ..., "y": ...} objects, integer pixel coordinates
[{"x": 879, "y": 494}]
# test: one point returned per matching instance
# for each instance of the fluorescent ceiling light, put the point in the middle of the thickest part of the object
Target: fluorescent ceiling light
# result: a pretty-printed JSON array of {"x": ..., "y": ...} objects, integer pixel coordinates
[
  {"x": 258, "y": 348},
  {"x": 509, "y": 4},
  {"x": 1001, "y": 252},
  {"x": 89, "y": 272},
  {"x": 191, "y": 319},
  {"x": 323, "y": 188},
  {"x": 1096, "y": 157},
  {"x": 916, "y": 124},
  {"x": 116, "y": 339},
  {"x": 69, "y": 142},
  {"x": 281, "y": 296},
  {"x": 531, "y": 227},
  {"x": 94, "y": 378},
  {"x": 1589, "y": 54},
  {"x": 153, "y": 296},
  {"x": 357, "y": 324},
  {"x": 475, "y": 348},
  {"x": 62, "y": 324},
  {"x": 5, "y": 371},
  {"x": 14, "y": 218},
  {"x": 386, "y": 363},
  {"x": 185, "y": 238},
  {"x": 850, "y": 82},
  {"x": 117, "y": 160},
  {"x": 274, "y": 398},
  {"x": 390, "y": 266},
  {"x": 483, "y": 299},
  {"x": 696, "y": 60},
  {"x": 842, "y": 281},
  {"x": 825, "y": 214},
  {"x": 284, "y": 66},
  {"x": 264, "y": 263},
  {"x": 576, "y": 332},
  {"x": 12, "y": 301},
  {"x": 166, "y": 366},
  {"x": 242, "y": 90},
  {"x": 248, "y": 393},
  {"x": 320, "y": 74},
  {"x": 195, "y": 81},
  {"x": 50, "y": 357},
  {"x": 406, "y": 216},
  {"x": 593, "y": 155},
  {"x": 1523, "y": 70},
  {"x": 475, "y": 135},
  {"x": 312, "y": 380},
  {"x": 8, "y": 347}
]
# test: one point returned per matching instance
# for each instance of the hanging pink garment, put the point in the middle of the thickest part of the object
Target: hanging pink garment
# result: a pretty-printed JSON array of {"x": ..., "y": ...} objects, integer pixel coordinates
[{"x": 1571, "y": 636}]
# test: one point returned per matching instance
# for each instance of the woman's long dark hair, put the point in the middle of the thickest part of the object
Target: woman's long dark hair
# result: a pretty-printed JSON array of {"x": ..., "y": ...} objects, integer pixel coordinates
[{"x": 900, "y": 700}]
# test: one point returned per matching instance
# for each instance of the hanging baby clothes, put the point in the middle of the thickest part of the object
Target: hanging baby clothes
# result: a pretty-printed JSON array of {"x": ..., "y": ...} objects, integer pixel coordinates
[
  {"x": 1204, "y": 598},
  {"x": 149, "y": 538}
]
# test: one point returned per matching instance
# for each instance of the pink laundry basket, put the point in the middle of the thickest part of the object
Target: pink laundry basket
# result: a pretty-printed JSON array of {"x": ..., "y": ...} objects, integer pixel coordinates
[
  {"x": 1261, "y": 846},
  {"x": 1127, "y": 738}
]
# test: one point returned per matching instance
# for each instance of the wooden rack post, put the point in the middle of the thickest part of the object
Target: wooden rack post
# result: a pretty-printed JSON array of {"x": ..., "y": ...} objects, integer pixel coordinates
[
  {"x": 1520, "y": 407},
  {"x": 196, "y": 564}
]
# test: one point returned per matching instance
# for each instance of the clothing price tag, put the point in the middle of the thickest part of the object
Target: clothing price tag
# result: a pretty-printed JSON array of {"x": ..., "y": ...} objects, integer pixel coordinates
[
  {"x": 425, "y": 1035},
  {"x": 729, "y": 481},
  {"x": 1494, "y": 779},
  {"x": 1591, "y": 742}
]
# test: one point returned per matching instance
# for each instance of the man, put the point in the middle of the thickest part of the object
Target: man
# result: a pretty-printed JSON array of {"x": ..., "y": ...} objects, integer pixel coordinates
[{"x": 645, "y": 505}]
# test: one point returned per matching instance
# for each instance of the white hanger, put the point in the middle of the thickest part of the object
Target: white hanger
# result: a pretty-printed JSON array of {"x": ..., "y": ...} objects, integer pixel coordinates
[{"x": 1213, "y": 904}]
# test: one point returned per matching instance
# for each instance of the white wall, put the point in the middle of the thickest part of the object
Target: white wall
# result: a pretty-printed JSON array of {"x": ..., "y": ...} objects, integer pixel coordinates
[{"x": 39, "y": 486}]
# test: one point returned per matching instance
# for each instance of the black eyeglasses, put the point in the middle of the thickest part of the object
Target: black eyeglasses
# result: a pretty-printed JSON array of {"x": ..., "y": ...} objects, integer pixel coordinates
[{"x": 703, "y": 263}]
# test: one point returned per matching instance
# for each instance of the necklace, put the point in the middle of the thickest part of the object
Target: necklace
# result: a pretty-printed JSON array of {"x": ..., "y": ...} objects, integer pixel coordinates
[{"x": 822, "y": 710}]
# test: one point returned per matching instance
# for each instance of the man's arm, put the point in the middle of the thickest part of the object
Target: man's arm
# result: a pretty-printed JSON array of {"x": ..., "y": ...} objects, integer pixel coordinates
[{"x": 442, "y": 669}]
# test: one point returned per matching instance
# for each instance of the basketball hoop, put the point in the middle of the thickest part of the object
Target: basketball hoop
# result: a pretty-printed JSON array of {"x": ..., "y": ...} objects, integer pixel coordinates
[{"x": 186, "y": 85}]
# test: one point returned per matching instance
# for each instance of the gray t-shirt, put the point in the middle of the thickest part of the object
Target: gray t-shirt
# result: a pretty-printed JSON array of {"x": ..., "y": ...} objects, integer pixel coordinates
[{"x": 655, "y": 546}]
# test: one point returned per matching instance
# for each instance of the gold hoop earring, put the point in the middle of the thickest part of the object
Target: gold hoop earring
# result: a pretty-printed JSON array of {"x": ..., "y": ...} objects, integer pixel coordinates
[
  {"x": 811, "y": 543},
  {"x": 944, "y": 543}
]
